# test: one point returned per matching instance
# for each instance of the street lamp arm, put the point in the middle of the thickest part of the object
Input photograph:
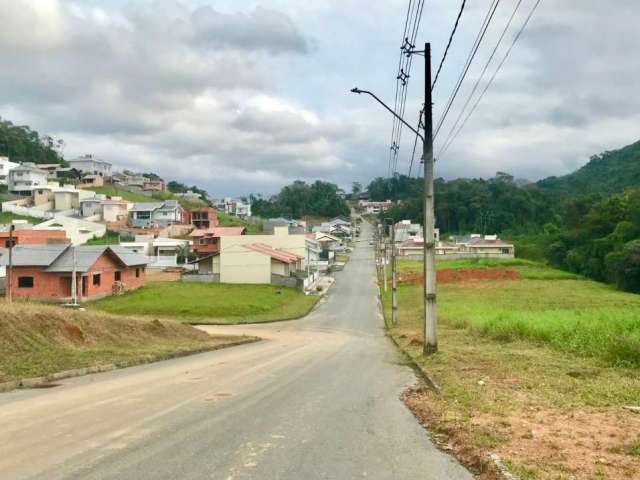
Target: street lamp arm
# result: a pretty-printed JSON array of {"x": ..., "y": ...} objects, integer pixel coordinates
[{"x": 358, "y": 91}]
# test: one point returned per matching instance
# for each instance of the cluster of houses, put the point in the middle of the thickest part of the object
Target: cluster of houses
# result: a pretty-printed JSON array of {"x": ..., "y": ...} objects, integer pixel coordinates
[
  {"x": 54, "y": 259},
  {"x": 410, "y": 244}
]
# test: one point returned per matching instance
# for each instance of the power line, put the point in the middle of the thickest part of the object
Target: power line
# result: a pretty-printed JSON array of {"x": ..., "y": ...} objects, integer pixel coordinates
[
  {"x": 524, "y": 25},
  {"x": 484, "y": 70},
  {"x": 446, "y": 50},
  {"x": 415, "y": 142},
  {"x": 483, "y": 30}
]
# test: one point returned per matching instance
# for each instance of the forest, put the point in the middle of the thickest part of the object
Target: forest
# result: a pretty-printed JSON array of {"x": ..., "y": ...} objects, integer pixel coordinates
[{"x": 22, "y": 144}]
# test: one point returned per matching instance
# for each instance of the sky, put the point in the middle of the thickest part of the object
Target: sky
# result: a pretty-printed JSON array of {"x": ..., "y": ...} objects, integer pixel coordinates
[{"x": 244, "y": 97}]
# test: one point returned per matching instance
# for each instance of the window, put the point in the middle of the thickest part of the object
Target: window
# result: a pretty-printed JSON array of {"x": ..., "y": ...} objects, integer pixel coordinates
[
  {"x": 117, "y": 276},
  {"x": 96, "y": 279},
  {"x": 25, "y": 282},
  {"x": 137, "y": 273},
  {"x": 505, "y": 251}
]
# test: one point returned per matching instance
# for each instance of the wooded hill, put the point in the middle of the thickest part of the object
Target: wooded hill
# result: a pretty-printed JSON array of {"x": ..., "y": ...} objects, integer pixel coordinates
[{"x": 21, "y": 144}]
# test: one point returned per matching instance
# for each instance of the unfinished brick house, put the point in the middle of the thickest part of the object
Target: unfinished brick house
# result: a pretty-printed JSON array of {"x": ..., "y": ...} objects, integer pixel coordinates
[
  {"x": 202, "y": 218},
  {"x": 29, "y": 236},
  {"x": 45, "y": 271},
  {"x": 207, "y": 241}
]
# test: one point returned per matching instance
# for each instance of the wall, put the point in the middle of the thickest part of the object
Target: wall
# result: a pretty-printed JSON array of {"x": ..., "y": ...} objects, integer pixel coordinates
[
  {"x": 111, "y": 213},
  {"x": 45, "y": 285},
  {"x": 241, "y": 265},
  {"x": 291, "y": 282},
  {"x": 201, "y": 278},
  {"x": 106, "y": 265},
  {"x": 291, "y": 243},
  {"x": 458, "y": 256},
  {"x": 34, "y": 236}
]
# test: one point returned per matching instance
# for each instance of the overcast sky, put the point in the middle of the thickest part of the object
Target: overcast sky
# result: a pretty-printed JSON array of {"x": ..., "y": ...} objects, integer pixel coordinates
[{"x": 243, "y": 96}]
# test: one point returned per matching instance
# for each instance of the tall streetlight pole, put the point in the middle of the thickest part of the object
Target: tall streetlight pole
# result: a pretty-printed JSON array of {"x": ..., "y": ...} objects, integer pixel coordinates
[{"x": 430, "y": 327}]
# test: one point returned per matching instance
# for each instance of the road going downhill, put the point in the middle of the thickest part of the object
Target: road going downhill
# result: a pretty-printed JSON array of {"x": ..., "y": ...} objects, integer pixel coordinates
[{"x": 317, "y": 399}]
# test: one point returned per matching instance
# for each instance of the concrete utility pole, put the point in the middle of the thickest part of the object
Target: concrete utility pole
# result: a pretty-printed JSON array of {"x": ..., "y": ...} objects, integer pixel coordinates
[
  {"x": 74, "y": 293},
  {"x": 430, "y": 312},
  {"x": 394, "y": 277},
  {"x": 384, "y": 264},
  {"x": 10, "y": 268}
]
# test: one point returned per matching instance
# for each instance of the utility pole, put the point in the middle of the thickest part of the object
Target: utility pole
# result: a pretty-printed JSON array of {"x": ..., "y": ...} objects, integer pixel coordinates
[
  {"x": 430, "y": 312},
  {"x": 384, "y": 264},
  {"x": 394, "y": 278},
  {"x": 74, "y": 293},
  {"x": 10, "y": 269}
]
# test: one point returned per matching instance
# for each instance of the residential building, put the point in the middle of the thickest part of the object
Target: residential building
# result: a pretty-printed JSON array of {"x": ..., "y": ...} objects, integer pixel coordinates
[
  {"x": 188, "y": 195},
  {"x": 146, "y": 215},
  {"x": 207, "y": 241},
  {"x": 236, "y": 207},
  {"x": 202, "y": 218},
  {"x": 92, "y": 207},
  {"x": 116, "y": 210},
  {"x": 23, "y": 178},
  {"x": 490, "y": 246},
  {"x": 472, "y": 246},
  {"x": 45, "y": 271},
  {"x": 294, "y": 226},
  {"x": 154, "y": 185},
  {"x": 5, "y": 167},
  {"x": 91, "y": 165},
  {"x": 374, "y": 207},
  {"x": 77, "y": 230},
  {"x": 32, "y": 236},
  {"x": 161, "y": 252}
]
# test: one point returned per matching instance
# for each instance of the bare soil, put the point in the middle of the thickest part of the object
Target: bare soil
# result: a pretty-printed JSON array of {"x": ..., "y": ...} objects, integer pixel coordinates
[{"x": 463, "y": 275}]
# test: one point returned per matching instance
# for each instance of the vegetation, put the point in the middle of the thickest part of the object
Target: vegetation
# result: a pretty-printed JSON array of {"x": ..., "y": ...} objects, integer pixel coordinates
[
  {"x": 8, "y": 217},
  {"x": 21, "y": 144},
  {"x": 211, "y": 302},
  {"x": 300, "y": 199},
  {"x": 113, "y": 191},
  {"x": 177, "y": 187},
  {"x": 110, "y": 238},
  {"x": 37, "y": 340},
  {"x": 253, "y": 227},
  {"x": 525, "y": 364}
]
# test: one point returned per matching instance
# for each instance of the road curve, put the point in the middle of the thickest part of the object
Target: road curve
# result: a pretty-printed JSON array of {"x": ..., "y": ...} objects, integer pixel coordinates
[{"x": 317, "y": 399}]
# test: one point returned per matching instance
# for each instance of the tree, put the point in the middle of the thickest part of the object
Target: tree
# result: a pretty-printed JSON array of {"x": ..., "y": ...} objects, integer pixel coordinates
[
  {"x": 356, "y": 189},
  {"x": 628, "y": 267}
]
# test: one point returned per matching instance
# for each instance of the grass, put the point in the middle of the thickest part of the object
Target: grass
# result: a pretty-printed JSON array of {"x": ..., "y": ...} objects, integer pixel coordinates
[
  {"x": 8, "y": 217},
  {"x": 536, "y": 370},
  {"x": 109, "y": 238},
  {"x": 210, "y": 302},
  {"x": 36, "y": 340},
  {"x": 226, "y": 220},
  {"x": 113, "y": 191}
]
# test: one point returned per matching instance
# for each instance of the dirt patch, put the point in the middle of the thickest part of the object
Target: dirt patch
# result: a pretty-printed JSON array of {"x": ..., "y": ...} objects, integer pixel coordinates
[
  {"x": 448, "y": 434},
  {"x": 463, "y": 275}
]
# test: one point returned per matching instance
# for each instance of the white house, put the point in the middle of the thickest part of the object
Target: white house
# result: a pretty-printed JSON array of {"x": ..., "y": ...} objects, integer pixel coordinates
[
  {"x": 78, "y": 231},
  {"x": 5, "y": 167},
  {"x": 91, "y": 165},
  {"x": 161, "y": 252},
  {"x": 23, "y": 178}
]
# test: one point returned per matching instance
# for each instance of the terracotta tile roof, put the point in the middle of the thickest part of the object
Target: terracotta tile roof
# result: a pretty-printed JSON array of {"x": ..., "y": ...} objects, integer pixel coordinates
[{"x": 277, "y": 254}]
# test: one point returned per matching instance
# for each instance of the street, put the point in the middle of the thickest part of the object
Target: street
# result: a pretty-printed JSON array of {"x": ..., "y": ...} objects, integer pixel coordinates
[{"x": 318, "y": 398}]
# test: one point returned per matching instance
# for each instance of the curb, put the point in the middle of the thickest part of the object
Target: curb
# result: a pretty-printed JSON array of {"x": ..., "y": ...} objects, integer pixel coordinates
[
  {"x": 39, "y": 382},
  {"x": 431, "y": 383}
]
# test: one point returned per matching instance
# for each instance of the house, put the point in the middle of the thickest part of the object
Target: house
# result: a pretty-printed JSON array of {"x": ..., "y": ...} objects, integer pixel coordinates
[
  {"x": 374, "y": 208},
  {"x": 154, "y": 185},
  {"x": 45, "y": 271},
  {"x": 207, "y": 241},
  {"x": 77, "y": 230},
  {"x": 23, "y": 178},
  {"x": 202, "y": 218},
  {"x": 90, "y": 180},
  {"x": 253, "y": 263},
  {"x": 146, "y": 215},
  {"x": 116, "y": 210},
  {"x": 161, "y": 252},
  {"x": 32, "y": 236},
  {"x": 414, "y": 248},
  {"x": 5, "y": 167},
  {"x": 92, "y": 207},
  {"x": 490, "y": 246},
  {"x": 235, "y": 207},
  {"x": 294, "y": 226},
  {"x": 91, "y": 165},
  {"x": 188, "y": 195}
]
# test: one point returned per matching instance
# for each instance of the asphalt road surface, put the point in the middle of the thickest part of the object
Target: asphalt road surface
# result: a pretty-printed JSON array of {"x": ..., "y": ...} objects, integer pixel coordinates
[{"x": 317, "y": 399}]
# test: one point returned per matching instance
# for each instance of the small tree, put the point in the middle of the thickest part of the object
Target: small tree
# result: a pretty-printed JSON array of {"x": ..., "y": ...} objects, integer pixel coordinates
[{"x": 628, "y": 267}]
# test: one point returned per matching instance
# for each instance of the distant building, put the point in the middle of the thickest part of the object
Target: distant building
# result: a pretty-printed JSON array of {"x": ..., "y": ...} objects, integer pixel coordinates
[
  {"x": 23, "y": 178},
  {"x": 146, "y": 215},
  {"x": 207, "y": 241},
  {"x": 373, "y": 208},
  {"x": 91, "y": 165},
  {"x": 202, "y": 218},
  {"x": 5, "y": 167}
]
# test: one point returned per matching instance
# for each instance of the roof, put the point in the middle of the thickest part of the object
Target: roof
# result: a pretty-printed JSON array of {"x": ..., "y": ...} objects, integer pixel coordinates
[
  {"x": 87, "y": 255},
  {"x": 218, "y": 232},
  {"x": 206, "y": 257},
  {"x": 26, "y": 168},
  {"x": 276, "y": 254},
  {"x": 38, "y": 255},
  {"x": 493, "y": 242},
  {"x": 146, "y": 206},
  {"x": 170, "y": 205}
]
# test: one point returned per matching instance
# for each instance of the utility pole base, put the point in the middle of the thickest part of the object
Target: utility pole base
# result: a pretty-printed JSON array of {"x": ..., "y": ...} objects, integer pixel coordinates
[{"x": 429, "y": 350}]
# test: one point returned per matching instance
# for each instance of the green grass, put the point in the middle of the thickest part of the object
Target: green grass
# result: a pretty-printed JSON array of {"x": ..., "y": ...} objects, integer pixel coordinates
[
  {"x": 210, "y": 302},
  {"x": 8, "y": 217},
  {"x": 226, "y": 220},
  {"x": 548, "y": 306},
  {"x": 113, "y": 191},
  {"x": 37, "y": 340},
  {"x": 109, "y": 238}
]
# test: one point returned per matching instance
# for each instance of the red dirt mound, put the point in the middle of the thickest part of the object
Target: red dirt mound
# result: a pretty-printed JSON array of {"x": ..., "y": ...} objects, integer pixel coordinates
[{"x": 451, "y": 275}]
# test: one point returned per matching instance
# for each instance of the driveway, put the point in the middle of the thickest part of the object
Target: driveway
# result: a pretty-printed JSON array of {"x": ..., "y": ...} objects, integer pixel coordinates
[{"x": 317, "y": 399}]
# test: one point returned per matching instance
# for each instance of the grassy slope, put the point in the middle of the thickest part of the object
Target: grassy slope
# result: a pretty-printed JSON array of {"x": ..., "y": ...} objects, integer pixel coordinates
[
  {"x": 125, "y": 194},
  {"x": 226, "y": 220},
  {"x": 211, "y": 303},
  {"x": 37, "y": 340},
  {"x": 8, "y": 217},
  {"x": 529, "y": 369}
]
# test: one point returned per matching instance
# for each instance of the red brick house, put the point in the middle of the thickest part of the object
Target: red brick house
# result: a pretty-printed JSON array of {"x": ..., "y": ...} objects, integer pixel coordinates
[
  {"x": 28, "y": 236},
  {"x": 45, "y": 271},
  {"x": 202, "y": 218},
  {"x": 206, "y": 242}
]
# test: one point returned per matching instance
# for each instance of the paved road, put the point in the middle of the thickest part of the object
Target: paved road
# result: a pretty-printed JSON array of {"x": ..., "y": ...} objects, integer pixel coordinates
[{"x": 317, "y": 399}]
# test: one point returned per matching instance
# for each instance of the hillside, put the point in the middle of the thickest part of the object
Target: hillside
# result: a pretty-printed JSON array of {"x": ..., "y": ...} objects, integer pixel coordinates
[
  {"x": 607, "y": 173},
  {"x": 21, "y": 144}
]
